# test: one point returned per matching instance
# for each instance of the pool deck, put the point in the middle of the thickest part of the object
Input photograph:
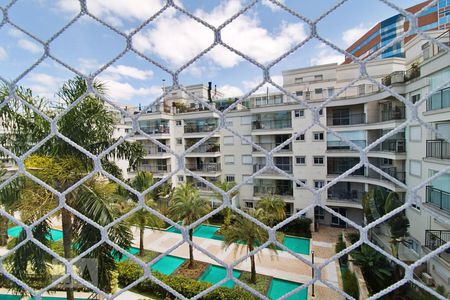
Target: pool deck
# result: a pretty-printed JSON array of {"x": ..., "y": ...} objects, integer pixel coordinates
[{"x": 283, "y": 266}]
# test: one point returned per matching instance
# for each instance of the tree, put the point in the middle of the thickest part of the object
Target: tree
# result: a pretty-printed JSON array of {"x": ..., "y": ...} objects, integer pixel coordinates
[
  {"x": 273, "y": 207},
  {"x": 142, "y": 218},
  {"x": 243, "y": 233},
  {"x": 226, "y": 186},
  {"x": 89, "y": 124},
  {"x": 9, "y": 196},
  {"x": 187, "y": 206},
  {"x": 372, "y": 262}
]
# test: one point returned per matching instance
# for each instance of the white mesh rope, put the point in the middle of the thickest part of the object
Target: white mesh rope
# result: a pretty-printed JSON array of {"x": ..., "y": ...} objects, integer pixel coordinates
[{"x": 411, "y": 191}]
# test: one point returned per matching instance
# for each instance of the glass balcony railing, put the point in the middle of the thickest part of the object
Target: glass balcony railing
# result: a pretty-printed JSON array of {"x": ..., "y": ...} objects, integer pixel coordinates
[
  {"x": 285, "y": 167},
  {"x": 337, "y": 170},
  {"x": 391, "y": 145},
  {"x": 345, "y": 118},
  {"x": 398, "y": 113},
  {"x": 161, "y": 129},
  {"x": 155, "y": 150},
  {"x": 155, "y": 169},
  {"x": 270, "y": 146},
  {"x": 205, "y": 167},
  {"x": 438, "y": 149},
  {"x": 341, "y": 145},
  {"x": 192, "y": 128},
  {"x": 272, "y": 124},
  {"x": 438, "y": 198},
  {"x": 345, "y": 195},
  {"x": 273, "y": 190},
  {"x": 208, "y": 148}
]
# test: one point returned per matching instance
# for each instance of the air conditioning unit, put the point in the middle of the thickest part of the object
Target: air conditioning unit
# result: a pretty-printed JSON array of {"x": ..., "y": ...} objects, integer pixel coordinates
[{"x": 427, "y": 279}]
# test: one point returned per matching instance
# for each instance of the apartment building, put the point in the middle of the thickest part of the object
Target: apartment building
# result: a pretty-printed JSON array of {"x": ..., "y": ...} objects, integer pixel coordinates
[{"x": 436, "y": 16}]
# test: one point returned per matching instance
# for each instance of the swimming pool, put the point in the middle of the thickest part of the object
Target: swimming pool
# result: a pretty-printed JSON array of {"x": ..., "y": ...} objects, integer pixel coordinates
[
  {"x": 55, "y": 234},
  {"x": 279, "y": 288},
  {"x": 214, "y": 274},
  {"x": 131, "y": 250},
  {"x": 168, "y": 264},
  {"x": 17, "y": 297},
  {"x": 296, "y": 244}
]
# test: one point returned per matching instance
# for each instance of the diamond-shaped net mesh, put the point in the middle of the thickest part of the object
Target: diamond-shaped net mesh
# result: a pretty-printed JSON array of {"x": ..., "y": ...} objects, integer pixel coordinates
[{"x": 221, "y": 115}]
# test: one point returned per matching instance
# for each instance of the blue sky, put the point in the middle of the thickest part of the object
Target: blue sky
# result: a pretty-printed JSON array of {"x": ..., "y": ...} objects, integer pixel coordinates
[{"x": 264, "y": 33}]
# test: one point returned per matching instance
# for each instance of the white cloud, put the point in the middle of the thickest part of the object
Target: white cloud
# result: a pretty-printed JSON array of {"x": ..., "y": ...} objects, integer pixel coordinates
[
  {"x": 44, "y": 85},
  {"x": 326, "y": 55},
  {"x": 271, "y": 5},
  {"x": 3, "y": 53},
  {"x": 230, "y": 90},
  {"x": 127, "y": 71},
  {"x": 351, "y": 35},
  {"x": 29, "y": 46},
  {"x": 172, "y": 33},
  {"x": 124, "y": 92},
  {"x": 251, "y": 84}
]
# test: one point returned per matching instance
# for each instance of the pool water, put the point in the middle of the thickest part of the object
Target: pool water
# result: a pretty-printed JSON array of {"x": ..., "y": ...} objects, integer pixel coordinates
[
  {"x": 131, "y": 250},
  {"x": 168, "y": 264},
  {"x": 296, "y": 244},
  {"x": 279, "y": 288},
  {"x": 203, "y": 231},
  {"x": 214, "y": 274},
  {"x": 55, "y": 234},
  {"x": 17, "y": 297}
]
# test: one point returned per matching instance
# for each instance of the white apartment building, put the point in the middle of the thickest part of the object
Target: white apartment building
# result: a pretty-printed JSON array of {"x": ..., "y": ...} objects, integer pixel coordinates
[{"x": 362, "y": 113}]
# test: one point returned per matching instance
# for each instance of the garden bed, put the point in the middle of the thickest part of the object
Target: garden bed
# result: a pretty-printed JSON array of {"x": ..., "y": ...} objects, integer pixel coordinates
[
  {"x": 262, "y": 282},
  {"x": 195, "y": 273}
]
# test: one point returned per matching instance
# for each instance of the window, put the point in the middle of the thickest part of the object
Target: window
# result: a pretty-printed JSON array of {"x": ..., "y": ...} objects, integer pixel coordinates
[
  {"x": 330, "y": 91},
  {"x": 318, "y": 91},
  {"x": 299, "y": 79},
  {"x": 247, "y": 160},
  {"x": 321, "y": 112},
  {"x": 229, "y": 159},
  {"x": 414, "y": 245},
  {"x": 304, "y": 181},
  {"x": 299, "y": 113},
  {"x": 229, "y": 178},
  {"x": 318, "y": 136},
  {"x": 415, "y": 98},
  {"x": 319, "y": 213},
  {"x": 415, "y": 133},
  {"x": 301, "y": 137},
  {"x": 415, "y": 167},
  {"x": 318, "y": 77},
  {"x": 248, "y": 204},
  {"x": 228, "y": 140},
  {"x": 179, "y": 122},
  {"x": 247, "y": 179},
  {"x": 246, "y": 120},
  {"x": 307, "y": 95},
  {"x": 229, "y": 123},
  {"x": 318, "y": 160},
  {"x": 416, "y": 203},
  {"x": 179, "y": 141},
  {"x": 299, "y": 93},
  {"x": 180, "y": 178},
  {"x": 318, "y": 184},
  {"x": 248, "y": 137},
  {"x": 300, "y": 160}
]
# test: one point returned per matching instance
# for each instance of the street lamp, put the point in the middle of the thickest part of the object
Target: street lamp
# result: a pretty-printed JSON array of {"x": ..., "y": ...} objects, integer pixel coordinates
[{"x": 312, "y": 260}]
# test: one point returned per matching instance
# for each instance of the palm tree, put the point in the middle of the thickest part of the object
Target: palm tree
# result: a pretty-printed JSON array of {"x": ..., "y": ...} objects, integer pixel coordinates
[
  {"x": 273, "y": 207},
  {"x": 89, "y": 124},
  {"x": 372, "y": 262},
  {"x": 243, "y": 233},
  {"x": 187, "y": 206},
  {"x": 9, "y": 196},
  {"x": 226, "y": 186},
  {"x": 143, "y": 218}
]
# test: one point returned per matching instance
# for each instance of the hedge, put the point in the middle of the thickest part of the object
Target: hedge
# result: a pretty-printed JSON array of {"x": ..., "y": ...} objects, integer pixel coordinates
[
  {"x": 350, "y": 283},
  {"x": 130, "y": 272},
  {"x": 300, "y": 227},
  {"x": 340, "y": 245}
]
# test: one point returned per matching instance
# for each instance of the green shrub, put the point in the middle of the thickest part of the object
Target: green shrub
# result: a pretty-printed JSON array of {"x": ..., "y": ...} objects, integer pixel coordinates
[
  {"x": 340, "y": 245},
  {"x": 350, "y": 283},
  {"x": 299, "y": 227},
  {"x": 353, "y": 237},
  {"x": 129, "y": 272}
]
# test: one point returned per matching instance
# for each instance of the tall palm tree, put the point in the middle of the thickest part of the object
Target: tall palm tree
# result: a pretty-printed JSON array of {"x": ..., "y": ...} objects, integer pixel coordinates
[
  {"x": 142, "y": 218},
  {"x": 187, "y": 206},
  {"x": 243, "y": 233},
  {"x": 372, "y": 262},
  {"x": 226, "y": 186},
  {"x": 90, "y": 124},
  {"x": 273, "y": 207}
]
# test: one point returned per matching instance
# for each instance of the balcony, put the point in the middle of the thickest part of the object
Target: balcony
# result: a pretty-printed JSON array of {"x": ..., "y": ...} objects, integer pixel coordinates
[
  {"x": 438, "y": 198},
  {"x": 155, "y": 151},
  {"x": 346, "y": 192},
  {"x": 204, "y": 167},
  {"x": 270, "y": 146},
  {"x": 346, "y": 118},
  {"x": 437, "y": 238},
  {"x": 397, "y": 113},
  {"x": 280, "y": 190},
  {"x": 155, "y": 169},
  {"x": 391, "y": 171},
  {"x": 205, "y": 148},
  {"x": 438, "y": 149},
  {"x": 272, "y": 124},
  {"x": 285, "y": 167},
  {"x": 194, "y": 128},
  {"x": 391, "y": 145},
  {"x": 341, "y": 145},
  {"x": 161, "y": 129}
]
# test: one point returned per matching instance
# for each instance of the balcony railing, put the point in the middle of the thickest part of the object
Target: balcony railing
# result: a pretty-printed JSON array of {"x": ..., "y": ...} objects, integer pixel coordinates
[
  {"x": 272, "y": 190},
  {"x": 270, "y": 146},
  {"x": 205, "y": 167},
  {"x": 272, "y": 124},
  {"x": 391, "y": 145},
  {"x": 437, "y": 238},
  {"x": 341, "y": 145},
  {"x": 337, "y": 170},
  {"x": 155, "y": 169},
  {"x": 192, "y": 128},
  {"x": 438, "y": 149},
  {"x": 162, "y": 129},
  {"x": 339, "y": 119},
  {"x": 391, "y": 171},
  {"x": 208, "y": 148},
  {"x": 398, "y": 113},
  {"x": 155, "y": 150},
  {"x": 345, "y": 195},
  {"x": 285, "y": 167},
  {"x": 438, "y": 198}
]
